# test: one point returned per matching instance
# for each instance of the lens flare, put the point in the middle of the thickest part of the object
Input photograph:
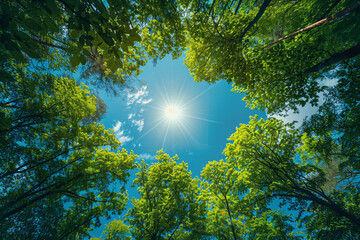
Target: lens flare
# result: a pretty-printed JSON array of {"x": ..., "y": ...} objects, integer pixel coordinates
[{"x": 173, "y": 113}]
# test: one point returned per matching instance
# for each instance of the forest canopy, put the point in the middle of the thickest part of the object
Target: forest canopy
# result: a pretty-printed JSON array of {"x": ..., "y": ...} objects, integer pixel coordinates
[{"x": 58, "y": 164}]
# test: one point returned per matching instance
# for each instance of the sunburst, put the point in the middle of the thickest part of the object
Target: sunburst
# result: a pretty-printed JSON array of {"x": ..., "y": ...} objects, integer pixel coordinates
[{"x": 175, "y": 115}]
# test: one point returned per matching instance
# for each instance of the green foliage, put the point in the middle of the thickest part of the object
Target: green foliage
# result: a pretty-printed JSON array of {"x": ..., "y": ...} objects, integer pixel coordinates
[
  {"x": 337, "y": 120},
  {"x": 230, "y": 212},
  {"x": 229, "y": 46},
  {"x": 108, "y": 40},
  {"x": 58, "y": 165},
  {"x": 116, "y": 230},
  {"x": 168, "y": 206},
  {"x": 329, "y": 225},
  {"x": 54, "y": 171},
  {"x": 268, "y": 152}
]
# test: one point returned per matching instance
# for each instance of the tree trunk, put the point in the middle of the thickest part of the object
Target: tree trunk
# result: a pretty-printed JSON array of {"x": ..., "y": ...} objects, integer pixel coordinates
[
  {"x": 257, "y": 17},
  {"x": 330, "y": 204},
  {"x": 231, "y": 223},
  {"x": 330, "y": 9},
  {"x": 336, "y": 58},
  {"x": 318, "y": 23},
  {"x": 238, "y": 7}
]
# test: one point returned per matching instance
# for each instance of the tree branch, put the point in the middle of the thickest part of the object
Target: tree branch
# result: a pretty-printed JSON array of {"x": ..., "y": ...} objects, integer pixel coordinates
[
  {"x": 257, "y": 17},
  {"x": 238, "y": 7},
  {"x": 330, "y": 8},
  {"x": 336, "y": 58},
  {"x": 318, "y": 23}
]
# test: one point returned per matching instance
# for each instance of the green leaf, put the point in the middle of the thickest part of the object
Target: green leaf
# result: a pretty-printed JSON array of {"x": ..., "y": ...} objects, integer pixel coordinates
[
  {"x": 82, "y": 59},
  {"x": 74, "y": 60}
]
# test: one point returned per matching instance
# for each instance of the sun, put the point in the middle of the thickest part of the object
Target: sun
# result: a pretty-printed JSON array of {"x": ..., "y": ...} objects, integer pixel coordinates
[
  {"x": 175, "y": 116},
  {"x": 173, "y": 113}
]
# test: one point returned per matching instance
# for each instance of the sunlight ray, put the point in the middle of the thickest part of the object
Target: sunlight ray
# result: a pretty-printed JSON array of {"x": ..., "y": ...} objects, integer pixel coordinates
[
  {"x": 166, "y": 95},
  {"x": 197, "y": 96},
  {"x": 175, "y": 114},
  {"x": 148, "y": 131},
  {"x": 177, "y": 102},
  {"x": 202, "y": 119},
  {"x": 166, "y": 133},
  {"x": 156, "y": 107},
  {"x": 187, "y": 134}
]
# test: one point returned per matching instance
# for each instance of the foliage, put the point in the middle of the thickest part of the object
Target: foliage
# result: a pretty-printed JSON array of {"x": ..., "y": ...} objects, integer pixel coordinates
[
  {"x": 168, "y": 202},
  {"x": 224, "y": 45},
  {"x": 55, "y": 172},
  {"x": 116, "y": 230},
  {"x": 104, "y": 39},
  {"x": 60, "y": 170},
  {"x": 337, "y": 120},
  {"x": 267, "y": 152},
  {"x": 230, "y": 213}
]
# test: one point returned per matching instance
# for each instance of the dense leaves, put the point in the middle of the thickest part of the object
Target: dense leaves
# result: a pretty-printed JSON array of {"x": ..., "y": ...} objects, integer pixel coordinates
[
  {"x": 54, "y": 170},
  {"x": 101, "y": 38},
  {"x": 224, "y": 45},
  {"x": 231, "y": 214},
  {"x": 61, "y": 171},
  {"x": 268, "y": 153},
  {"x": 168, "y": 202}
]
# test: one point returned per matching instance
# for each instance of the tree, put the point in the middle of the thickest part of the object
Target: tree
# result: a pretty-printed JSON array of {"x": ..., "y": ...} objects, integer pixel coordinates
[
  {"x": 55, "y": 171},
  {"x": 103, "y": 40},
  {"x": 230, "y": 212},
  {"x": 281, "y": 77},
  {"x": 58, "y": 167},
  {"x": 168, "y": 206},
  {"x": 116, "y": 230},
  {"x": 268, "y": 152},
  {"x": 335, "y": 126}
]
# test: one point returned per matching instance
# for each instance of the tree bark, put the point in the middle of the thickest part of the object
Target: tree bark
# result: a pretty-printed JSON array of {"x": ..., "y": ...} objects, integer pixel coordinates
[
  {"x": 238, "y": 7},
  {"x": 257, "y": 17},
  {"x": 330, "y": 9},
  {"x": 318, "y": 23},
  {"x": 9, "y": 106},
  {"x": 336, "y": 58},
  {"x": 231, "y": 223}
]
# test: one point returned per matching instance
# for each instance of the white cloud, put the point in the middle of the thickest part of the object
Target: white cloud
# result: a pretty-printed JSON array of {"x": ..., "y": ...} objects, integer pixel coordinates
[
  {"x": 299, "y": 117},
  {"x": 146, "y": 101},
  {"x": 131, "y": 115},
  {"x": 117, "y": 126},
  {"x": 139, "y": 124},
  {"x": 119, "y": 134},
  {"x": 125, "y": 139},
  {"x": 137, "y": 96},
  {"x": 146, "y": 156},
  {"x": 329, "y": 82}
]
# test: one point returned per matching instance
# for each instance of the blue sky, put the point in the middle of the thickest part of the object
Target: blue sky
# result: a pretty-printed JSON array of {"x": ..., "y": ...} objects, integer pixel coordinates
[{"x": 210, "y": 113}]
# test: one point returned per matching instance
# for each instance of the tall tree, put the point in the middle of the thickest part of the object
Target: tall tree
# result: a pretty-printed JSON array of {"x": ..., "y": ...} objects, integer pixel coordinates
[
  {"x": 334, "y": 128},
  {"x": 168, "y": 207},
  {"x": 116, "y": 230},
  {"x": 286, "y": 75},
  {"x": 230, "y": 212},
  {"x": 268, "y": 153},
  {"x": 109, "y": 40},
  {"x": 55, "y": 171}
]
